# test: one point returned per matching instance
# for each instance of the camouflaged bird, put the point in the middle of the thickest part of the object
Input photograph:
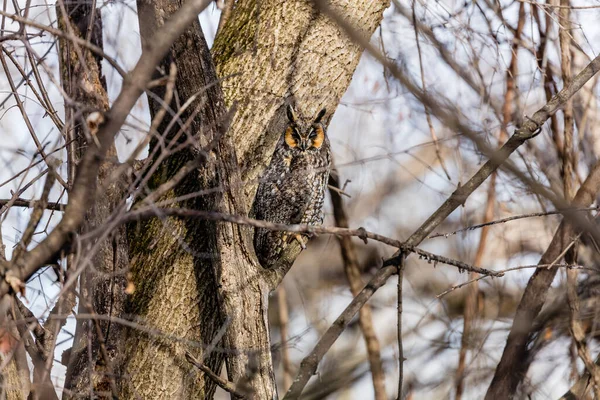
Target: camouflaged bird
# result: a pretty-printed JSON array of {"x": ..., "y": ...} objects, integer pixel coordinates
[{"x": 292, "y": 189}]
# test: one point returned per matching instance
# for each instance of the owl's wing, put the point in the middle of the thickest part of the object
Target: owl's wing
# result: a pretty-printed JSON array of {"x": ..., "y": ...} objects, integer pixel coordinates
[
  {"x": 273, "y": 205},
  {"x": 296, "y": 199}
]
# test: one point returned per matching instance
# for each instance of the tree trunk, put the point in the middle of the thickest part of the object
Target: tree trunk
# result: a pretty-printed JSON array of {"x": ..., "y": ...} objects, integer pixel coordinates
[
  {"x": 272, "y": 52},
  {"x": 269, "y": 53},
  {"x": 173, "y": 261},
  {"x": 103, "y": 278},
  {"x": 195, "y": 279},
  {"x": 15, "y": 381}
]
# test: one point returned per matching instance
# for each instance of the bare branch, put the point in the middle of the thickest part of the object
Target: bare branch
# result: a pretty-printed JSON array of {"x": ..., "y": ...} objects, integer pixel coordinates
[
  {"x": 50, "y": 205},
  {"x": 513, "y": 363},
  {"x": 75, "y": 39},
  {"x": 282, "y": 308},
  {"x": 308, "y": 366},
  {"x": 38, "y": 211},
  {"x": 528, "y": 130},
  {"x": 352, "y": 270},
  {"x": 82, "y": 195},
  {"x": 513, "y": 218},
  {"x": 401, "y": 267},
  {"x": 223, "y": 384}
]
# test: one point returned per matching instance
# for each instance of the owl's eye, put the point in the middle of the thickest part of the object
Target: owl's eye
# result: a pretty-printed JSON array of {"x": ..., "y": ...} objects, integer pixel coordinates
[{"x": 312, "y": 134}]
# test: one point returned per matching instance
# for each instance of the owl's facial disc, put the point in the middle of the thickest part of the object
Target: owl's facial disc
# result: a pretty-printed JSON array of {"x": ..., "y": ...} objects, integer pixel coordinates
[
  {"x": 316, "y": 137},
  {"x": 292, "y": 137},
  {"x": 306, "y": 140}
]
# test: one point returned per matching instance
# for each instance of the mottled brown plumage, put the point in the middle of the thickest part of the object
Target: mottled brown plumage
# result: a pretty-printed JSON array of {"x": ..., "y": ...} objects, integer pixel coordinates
[{"x": 292, "y": 189}]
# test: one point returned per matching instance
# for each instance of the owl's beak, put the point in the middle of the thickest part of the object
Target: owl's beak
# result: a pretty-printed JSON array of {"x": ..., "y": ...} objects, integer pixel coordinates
[{"x": 303, "y": 145}]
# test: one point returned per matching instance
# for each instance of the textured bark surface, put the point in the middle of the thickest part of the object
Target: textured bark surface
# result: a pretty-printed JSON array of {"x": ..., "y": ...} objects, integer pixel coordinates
[
  {"x": 102, "y": 283},
  {"x": 15, "y": 381},
  {"x": 173, "y": 260},
  {"x": 15, "y": 386},
  {"x": 191, "y": 277},
  {"x": 272, "y": 52},
  {"x": 269, "y": 53}
]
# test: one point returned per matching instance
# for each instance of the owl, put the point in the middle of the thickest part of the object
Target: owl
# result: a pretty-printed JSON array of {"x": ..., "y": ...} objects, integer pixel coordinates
[{"x": 292, "y": 189}]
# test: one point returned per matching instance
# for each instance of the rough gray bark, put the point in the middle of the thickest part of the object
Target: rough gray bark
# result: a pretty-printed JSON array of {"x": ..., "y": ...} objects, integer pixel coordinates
[
  {"x": 271, "y": 52},
  {"x": 101, "y": 284},
  {"x": 167, "y": 254},
  {"x": 14, "y": 381},
  {"x": 173, "y": 261}
]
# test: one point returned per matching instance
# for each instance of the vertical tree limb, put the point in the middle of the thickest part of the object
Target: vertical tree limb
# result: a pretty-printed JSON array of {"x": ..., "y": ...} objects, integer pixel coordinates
[
  {"x": 101, "y": 287},
  {"x": 15, "y": 383},
  {"x": 286, "y": 363},
  {"x": 510, "y": 104},
  {"x": 575, "y": 328},
  {"x": 273, "y": 53},
  {"x": 528, "y": 130},
  {"x": 513, "y": 364},
  {"x": 352, "y": 271},
  {"x": 401, "y": 359},
  {"x": 308, "y": 366},
  {"x": 565, "y": 63},
  {"x": 172, "y": 258},
  {"x": 472, "y": 296}
]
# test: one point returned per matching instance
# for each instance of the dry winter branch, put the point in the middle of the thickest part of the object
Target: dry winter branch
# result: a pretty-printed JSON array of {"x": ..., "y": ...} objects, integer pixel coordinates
[
  {"x": 308, "y": 366},
  {"x": 513, "y": 363},
  {"x": 529, "y": 130},
  {"x": 82, "y": 195},
  {"x": 352, "y": 270}
]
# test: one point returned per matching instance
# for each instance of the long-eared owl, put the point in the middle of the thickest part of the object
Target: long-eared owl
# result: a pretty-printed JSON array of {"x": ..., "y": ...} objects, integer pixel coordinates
[{"x": 292, "y": 189}]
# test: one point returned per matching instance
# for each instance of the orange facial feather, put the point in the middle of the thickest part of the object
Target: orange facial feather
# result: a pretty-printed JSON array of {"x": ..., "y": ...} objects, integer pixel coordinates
[
  {"x": 318, "y": 140},
  {"x": 289, "y": 138}
]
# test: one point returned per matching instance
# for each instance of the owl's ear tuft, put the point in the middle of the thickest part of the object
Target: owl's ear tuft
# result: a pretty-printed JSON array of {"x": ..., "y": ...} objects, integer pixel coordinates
[
  {"x": 320, "y": 115},
  {"x": 291, "y": 114}
]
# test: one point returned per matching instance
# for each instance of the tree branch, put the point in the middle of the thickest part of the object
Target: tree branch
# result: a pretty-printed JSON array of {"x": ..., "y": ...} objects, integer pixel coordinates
[
  {"x": 352, "y": 270},
  {"x": 223, "y": 384},
  {"x": 529, "y": 130},
  {"x": 50, "y": 205},
  {"x": 82, "y": 194},
  {"x": 513, "y": 363},
  {"x": 308, "y": 366}
]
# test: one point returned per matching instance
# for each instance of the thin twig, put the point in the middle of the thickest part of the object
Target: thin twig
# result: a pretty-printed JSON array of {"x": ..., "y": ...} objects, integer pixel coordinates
[
  {"x": 504, "y": 271},
  {"x": 222, "y": 383},
  {"x": 308, "y": 366},
  {"x": 51, "y": 205},
  {"x": 75, "y": 39},
  {"x": 513, "y": 218},
  {"x": 401, "y": 359},
  {"x": 28, "y": 124},
  {"x": 514, "y": 358},
  {"x": 470, "y": 309},
  {"x": 38, "y": 211},
  {"x": 82, "y": 195},
  {"x": 19, "y": 192},
  {"x": 436, "y": 144},
  {"x": 529, "y": 130}
]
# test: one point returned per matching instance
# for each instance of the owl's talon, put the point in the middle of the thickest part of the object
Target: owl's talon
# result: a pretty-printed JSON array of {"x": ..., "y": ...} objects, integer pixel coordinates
[{"x": 300, "y": 240}]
